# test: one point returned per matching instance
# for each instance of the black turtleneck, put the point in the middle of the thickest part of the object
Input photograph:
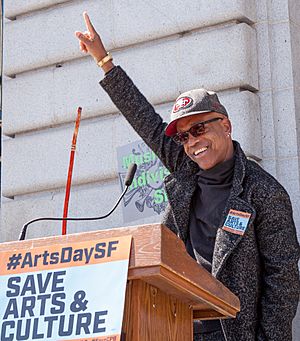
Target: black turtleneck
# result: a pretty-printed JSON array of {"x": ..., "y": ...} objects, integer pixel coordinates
[{"x": 205, "y": 218}]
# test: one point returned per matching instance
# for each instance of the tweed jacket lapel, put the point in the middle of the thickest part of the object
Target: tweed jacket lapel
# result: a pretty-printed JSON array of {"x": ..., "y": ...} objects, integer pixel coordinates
[
  {"x": 226, "y": 241},
  {"x": 180, "y": 187}
]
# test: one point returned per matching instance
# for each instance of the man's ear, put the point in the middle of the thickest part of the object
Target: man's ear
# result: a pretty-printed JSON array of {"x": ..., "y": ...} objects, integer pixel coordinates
[{"x": 227, "y": 125}]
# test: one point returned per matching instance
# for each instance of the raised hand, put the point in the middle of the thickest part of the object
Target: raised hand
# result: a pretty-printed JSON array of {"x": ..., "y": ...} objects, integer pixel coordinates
[{"x": 90, "y": 42}]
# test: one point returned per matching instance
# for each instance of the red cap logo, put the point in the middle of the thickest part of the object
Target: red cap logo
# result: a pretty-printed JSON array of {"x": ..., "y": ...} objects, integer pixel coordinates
[{"x": 182, "y": 103}]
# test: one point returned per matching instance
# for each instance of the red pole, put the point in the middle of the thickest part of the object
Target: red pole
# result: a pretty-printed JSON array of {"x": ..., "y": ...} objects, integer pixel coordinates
[{"x": 70, "y": 171}]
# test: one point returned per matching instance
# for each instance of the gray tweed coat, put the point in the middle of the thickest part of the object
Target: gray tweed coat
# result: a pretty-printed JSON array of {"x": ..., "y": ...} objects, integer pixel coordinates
[{"x": 260, "y": 266}]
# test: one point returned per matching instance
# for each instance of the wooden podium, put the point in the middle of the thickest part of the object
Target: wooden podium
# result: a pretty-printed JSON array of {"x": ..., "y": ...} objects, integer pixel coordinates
[{"x": 166, "y": 288}]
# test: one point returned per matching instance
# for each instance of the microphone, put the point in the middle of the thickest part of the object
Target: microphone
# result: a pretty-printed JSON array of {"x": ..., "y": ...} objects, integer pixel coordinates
[
  {"x": 128, "y": 181},
  {"x": 130, "y": 174}
]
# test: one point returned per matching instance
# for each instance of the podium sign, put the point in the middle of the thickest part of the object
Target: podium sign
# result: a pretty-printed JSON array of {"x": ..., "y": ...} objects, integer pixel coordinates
[{"x": 66, "y": 291}]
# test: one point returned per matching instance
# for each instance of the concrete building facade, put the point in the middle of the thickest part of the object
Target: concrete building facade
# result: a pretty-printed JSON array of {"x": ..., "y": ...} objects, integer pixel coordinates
[{"x": 247, "y": 50}]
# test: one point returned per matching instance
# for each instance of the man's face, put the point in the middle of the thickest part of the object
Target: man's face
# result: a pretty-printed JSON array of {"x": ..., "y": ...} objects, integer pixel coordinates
[{"x": 214, "y": 145}]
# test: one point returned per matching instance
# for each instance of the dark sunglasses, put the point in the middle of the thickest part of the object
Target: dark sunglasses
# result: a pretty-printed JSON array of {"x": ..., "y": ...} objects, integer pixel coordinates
[{"x": 196, "y": 130}]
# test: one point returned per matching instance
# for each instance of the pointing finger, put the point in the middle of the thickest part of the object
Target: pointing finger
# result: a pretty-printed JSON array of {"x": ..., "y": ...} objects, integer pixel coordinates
[{"x": 89, "y": 25}]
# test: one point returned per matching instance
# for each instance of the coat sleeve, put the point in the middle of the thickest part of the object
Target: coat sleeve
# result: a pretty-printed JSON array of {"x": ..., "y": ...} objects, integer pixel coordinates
[
  {"x": 142, "y": 117},
  {"x": 279, "y": 250}
]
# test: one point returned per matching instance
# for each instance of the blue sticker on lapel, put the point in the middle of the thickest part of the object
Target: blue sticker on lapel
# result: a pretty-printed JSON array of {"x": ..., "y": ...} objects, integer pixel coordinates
[{"x": 236, "y": 222}]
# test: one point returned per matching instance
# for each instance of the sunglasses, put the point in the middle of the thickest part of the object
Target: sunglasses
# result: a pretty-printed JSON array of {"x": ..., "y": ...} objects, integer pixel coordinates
[{"x": 196, "y": 130}]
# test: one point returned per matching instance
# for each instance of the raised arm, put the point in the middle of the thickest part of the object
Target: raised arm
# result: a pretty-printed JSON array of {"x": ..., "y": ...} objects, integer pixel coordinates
[{"x": 131, "y": 102}]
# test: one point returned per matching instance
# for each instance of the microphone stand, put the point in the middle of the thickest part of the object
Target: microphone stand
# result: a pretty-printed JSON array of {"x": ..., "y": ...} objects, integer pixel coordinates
[{"x": 128, "y": 180}]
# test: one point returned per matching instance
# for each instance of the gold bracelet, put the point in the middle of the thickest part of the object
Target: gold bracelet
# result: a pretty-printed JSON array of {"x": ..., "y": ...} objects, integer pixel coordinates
[{"x": 104, "y": 60}]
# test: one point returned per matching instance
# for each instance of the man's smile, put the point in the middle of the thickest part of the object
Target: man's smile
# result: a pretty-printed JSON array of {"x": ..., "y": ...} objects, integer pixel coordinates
[{"x": 200, "y": 151}]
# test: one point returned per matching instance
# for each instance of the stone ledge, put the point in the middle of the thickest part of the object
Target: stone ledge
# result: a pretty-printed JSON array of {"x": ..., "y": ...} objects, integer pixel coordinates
[
  {"x": 46, "y": 37},
  {"x": 50, "y": 96},
  {"x": 84, "y": 202},
  {"x": 45, "y": 168},
  {"x": 13, "y": 8}
]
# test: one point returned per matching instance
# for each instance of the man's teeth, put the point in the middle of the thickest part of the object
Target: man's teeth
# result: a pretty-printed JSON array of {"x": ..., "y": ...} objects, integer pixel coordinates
[{"x": 197, "y": 152}]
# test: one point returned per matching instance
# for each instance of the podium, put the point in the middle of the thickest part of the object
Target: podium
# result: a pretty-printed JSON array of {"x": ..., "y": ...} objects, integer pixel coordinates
[{"x": 166, "y": 288}]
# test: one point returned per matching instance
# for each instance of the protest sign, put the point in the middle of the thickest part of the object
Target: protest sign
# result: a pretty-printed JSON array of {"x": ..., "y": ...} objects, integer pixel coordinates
[{"x": 71, "y": 291}]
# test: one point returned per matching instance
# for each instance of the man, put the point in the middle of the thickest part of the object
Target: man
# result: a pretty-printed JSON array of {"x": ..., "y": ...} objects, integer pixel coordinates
[{"x": 234, "y": 218}]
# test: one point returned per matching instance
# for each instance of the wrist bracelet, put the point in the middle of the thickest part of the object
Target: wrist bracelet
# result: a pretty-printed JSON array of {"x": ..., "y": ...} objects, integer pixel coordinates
[{"x": 104, "y": 60}]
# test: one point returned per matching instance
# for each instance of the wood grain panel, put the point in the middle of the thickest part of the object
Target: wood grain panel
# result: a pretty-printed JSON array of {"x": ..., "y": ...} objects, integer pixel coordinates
[{"x": 152, "y": 315}]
